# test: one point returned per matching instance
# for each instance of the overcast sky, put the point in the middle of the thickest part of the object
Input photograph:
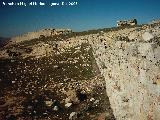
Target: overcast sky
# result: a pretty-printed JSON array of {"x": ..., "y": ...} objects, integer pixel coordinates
[{"x": 87, "y": 14}]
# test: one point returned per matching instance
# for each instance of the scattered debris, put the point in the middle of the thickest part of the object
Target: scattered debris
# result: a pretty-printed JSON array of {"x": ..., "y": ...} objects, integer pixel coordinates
[
  {"x": 68, "y": 105},
  {"x": 49, "y": 103},
  {"x": 73, "y": 116},
  {"x": 55, "y": 108}
]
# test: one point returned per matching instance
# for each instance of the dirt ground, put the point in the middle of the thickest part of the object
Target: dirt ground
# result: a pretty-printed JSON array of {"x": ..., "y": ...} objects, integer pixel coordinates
[{"x": 62, "y": 86}]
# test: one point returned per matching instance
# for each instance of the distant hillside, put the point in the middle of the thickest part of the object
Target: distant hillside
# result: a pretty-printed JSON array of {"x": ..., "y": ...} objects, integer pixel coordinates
[
  {"x": 2, "y": 38},
  {"x": 39, "y": 34},
  {"x": 3, "y": 41}
]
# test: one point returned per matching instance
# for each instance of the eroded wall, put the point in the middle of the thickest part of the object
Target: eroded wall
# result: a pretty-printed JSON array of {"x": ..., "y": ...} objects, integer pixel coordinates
[{"x": 132, "y": 73}]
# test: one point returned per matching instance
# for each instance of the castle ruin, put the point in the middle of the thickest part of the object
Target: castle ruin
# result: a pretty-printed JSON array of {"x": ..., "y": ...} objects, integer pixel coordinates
[{"x": 122, "y": 23}]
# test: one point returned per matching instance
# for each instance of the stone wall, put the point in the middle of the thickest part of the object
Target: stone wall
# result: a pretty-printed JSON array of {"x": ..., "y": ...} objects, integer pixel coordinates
[{"x": 132, "y": 73}]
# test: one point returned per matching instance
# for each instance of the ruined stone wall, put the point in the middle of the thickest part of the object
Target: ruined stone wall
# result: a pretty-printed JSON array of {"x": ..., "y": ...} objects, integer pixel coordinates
[
  {"x": 131, "y": 22},
  {"x": 132, "y": 74}
]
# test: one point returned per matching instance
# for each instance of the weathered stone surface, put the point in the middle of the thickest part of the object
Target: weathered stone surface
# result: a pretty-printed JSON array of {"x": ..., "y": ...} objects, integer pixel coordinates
[
  {"x": 147, "y": 36},
  {"x": 131, "y": 71}
]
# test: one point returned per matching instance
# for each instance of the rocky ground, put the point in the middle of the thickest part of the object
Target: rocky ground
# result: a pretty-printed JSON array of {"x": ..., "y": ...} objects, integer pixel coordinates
[
  {"x": 69, "y": 76},
  {"x": 45, "y": 79}
]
